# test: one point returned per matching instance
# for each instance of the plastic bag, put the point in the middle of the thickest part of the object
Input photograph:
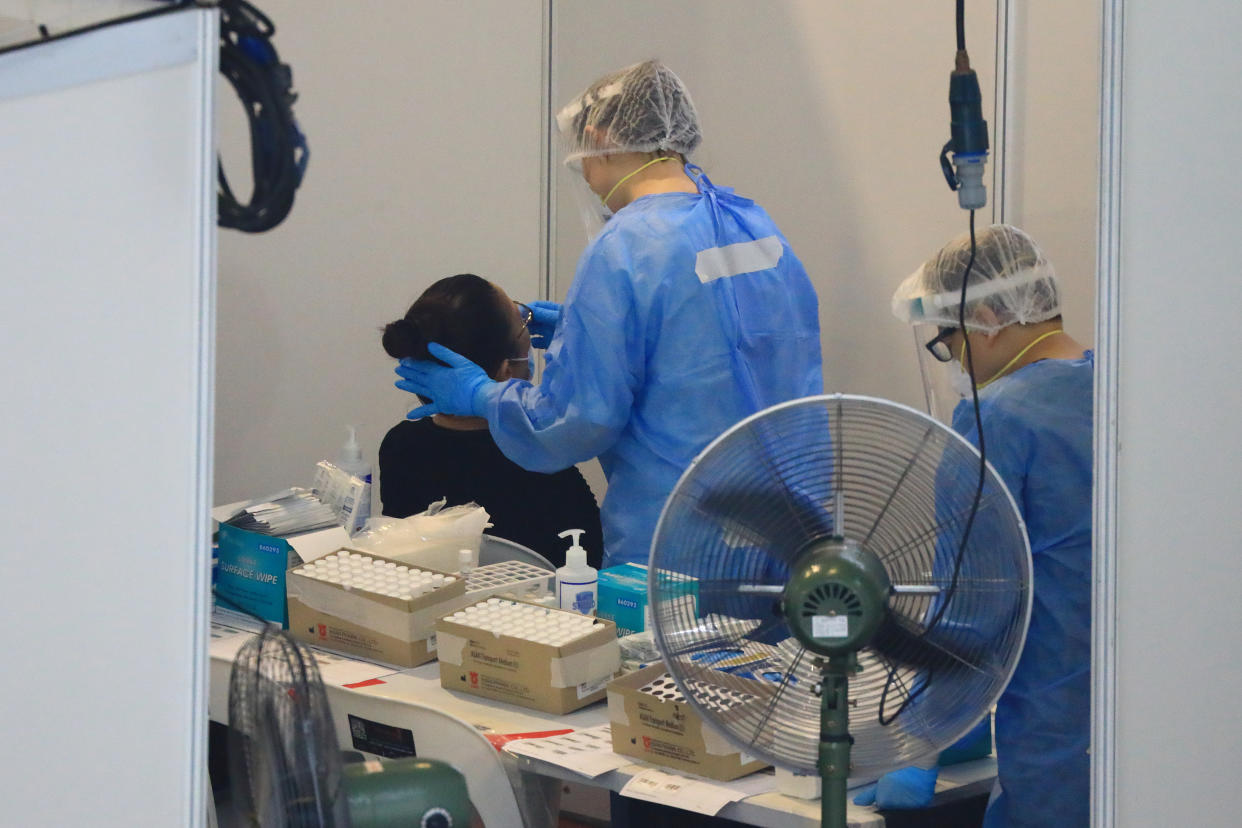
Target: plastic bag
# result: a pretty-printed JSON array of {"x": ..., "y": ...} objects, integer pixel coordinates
[{"x": 431, "y": 539}]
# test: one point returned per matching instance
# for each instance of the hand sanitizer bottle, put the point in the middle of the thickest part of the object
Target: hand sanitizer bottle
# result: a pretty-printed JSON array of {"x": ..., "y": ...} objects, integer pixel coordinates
[
  {"x": 351, "y": 461},
  {"x": 576, "y": 583}
]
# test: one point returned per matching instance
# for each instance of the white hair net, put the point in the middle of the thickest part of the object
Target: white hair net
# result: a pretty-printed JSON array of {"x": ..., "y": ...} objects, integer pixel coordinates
[
  {"x": 642, "y": 108},
  {"x": 1010, "y": 277}
]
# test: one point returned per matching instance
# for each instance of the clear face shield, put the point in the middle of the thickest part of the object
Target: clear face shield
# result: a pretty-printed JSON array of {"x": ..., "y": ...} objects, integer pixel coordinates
[
  {"x": 945, "y": 383},
  {"x": 583, "y": 142},
  {"x": 591, "y": 209}
]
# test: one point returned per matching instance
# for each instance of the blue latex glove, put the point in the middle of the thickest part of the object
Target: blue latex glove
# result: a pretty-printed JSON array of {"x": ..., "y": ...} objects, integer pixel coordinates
[
  {"x": 543, "y": 322},
  {"x": 455, "y": 388},
  {"x": 905, "y": 788}
]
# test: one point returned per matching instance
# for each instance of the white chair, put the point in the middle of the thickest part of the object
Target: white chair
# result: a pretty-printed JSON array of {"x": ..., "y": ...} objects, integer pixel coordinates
[{"x": 438, "y": 736}]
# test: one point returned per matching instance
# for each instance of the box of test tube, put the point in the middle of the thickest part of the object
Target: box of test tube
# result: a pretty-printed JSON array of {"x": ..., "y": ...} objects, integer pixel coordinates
[
  {"x": 529, "y": 655},
  {"x": 651, "y": 720},
  {"x": 623, "y": 595},
  {"x": 371, "y": 607}
]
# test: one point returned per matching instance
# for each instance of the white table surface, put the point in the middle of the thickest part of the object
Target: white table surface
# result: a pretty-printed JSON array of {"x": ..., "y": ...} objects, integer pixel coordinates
[{"x": 422, "y": 685}]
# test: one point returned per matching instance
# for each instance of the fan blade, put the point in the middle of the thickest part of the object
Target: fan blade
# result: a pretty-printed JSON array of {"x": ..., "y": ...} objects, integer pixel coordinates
[
  {"x": 920, "y": 651},
  {"x": 779, "y": 521}
]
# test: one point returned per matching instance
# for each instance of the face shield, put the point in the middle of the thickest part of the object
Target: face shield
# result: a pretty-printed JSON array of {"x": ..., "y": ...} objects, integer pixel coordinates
[
  {"x": 1011, "y": 283},
  {"x": 643, "y": 108},
  {"x": 945, "y": 384}
]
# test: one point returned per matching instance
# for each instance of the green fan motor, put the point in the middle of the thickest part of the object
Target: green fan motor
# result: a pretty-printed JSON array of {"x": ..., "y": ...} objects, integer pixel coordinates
[
  {"x": 836, "y": 598},
  {"x": 835, "y": 601},
  {"x": 414, "y": 792}
]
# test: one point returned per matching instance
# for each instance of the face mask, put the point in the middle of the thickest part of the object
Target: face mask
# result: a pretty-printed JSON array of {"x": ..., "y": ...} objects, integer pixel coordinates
[{"x": 959, "y": 379}]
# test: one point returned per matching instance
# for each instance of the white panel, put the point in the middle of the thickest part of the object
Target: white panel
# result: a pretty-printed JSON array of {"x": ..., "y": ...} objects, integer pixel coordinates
[
  {"x": 105, "y": 321},
  {"x": 425, "y": 126},
  {"x": 1052, "y": 154},
  {"x": 1172, "y": 298}
]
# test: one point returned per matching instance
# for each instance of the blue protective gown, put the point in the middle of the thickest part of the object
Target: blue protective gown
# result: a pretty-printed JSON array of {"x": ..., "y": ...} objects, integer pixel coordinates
[
  {"x": 687, "y": 313},
  {"x": 1038, "y": 422}
]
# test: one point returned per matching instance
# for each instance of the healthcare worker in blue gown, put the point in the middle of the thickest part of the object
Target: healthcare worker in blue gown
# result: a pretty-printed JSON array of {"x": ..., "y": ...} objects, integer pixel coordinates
[
  {"x": 1035, "y": 399},
  {"x": 688, "y": 312}
]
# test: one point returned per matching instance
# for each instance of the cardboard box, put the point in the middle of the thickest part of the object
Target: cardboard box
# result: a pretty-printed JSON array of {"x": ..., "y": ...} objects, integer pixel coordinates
[
  {"x": 250, "y": 570},
  {"x": 669, "y": 732},
  {"x": 526, "y": 673},
  {"x": 623, "y": 596},
  {"x": 365, "y": 624}
]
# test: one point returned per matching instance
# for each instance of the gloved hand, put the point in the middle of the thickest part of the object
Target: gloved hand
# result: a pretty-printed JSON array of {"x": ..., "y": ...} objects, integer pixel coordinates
[
  {"x": 457, "y": 388},
  {"x": 905, "y": 788},
  {"x": 543, "y": 321}
]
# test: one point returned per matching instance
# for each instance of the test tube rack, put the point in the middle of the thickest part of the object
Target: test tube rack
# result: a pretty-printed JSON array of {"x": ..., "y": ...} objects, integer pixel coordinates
[{"x": 515, "y": 579}]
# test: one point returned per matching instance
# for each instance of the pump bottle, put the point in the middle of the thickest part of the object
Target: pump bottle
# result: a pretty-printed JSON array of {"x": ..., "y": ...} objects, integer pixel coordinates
[
  {"x": 577, "y": 584},
  {"x": 351, "y": 461}
]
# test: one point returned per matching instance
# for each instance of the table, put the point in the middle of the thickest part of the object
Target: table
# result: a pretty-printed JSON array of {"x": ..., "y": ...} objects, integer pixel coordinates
[{"x": 464, "y": 730}]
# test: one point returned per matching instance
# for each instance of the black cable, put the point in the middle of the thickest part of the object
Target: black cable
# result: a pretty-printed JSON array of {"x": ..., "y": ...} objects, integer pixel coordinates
[
  {"x": 974, "y": 506},
  {"x": 278, "y": 148},
  {"x": 961, "y": 25},
  {"x": 983, "y": 452}
]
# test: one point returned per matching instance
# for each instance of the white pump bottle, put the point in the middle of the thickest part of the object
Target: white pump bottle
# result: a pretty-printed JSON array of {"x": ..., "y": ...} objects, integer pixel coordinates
[
  {"x": 577, "y": 584},
  {"x": 351, "y": 461}
]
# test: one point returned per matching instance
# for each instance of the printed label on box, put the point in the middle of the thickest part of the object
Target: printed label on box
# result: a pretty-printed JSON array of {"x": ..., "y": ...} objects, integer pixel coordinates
[
  {"x": 431, "y": 643},
  {"x": 588, "y": 687}
]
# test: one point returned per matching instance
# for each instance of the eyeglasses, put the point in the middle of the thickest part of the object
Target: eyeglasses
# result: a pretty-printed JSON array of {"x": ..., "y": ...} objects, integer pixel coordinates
[
  {"x": 525, "y": 313},
  {"x": 939, "y": 347}
]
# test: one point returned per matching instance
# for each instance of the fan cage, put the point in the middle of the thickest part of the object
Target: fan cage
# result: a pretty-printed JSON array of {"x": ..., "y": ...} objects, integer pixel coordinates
[
  {"x": 284, "y": 757},
  {"x": 899, "y": 484}
]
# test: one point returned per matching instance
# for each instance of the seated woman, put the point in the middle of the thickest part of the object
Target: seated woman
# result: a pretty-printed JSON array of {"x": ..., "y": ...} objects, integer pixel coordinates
[{"x": 452, "y": 457}]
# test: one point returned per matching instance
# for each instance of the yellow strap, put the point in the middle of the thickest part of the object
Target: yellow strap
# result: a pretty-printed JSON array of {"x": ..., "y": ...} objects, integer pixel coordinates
[
  {"x": 1021, "y": 354},
  {"x": 631, "y": 175}
]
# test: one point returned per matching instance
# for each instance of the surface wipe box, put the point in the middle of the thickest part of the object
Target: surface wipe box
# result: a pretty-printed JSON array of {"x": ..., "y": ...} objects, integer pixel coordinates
[
  {"x": 529, "y": 655},
  {"x": 372, "y": 607},
  {"x": 652, "y": 721},
  {"x": 250, "y": 570},
  {"x": 623, "y": 596}
]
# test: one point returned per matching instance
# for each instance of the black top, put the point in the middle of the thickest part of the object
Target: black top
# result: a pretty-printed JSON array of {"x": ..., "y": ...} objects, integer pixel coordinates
[{"x": 420, "y": 462}]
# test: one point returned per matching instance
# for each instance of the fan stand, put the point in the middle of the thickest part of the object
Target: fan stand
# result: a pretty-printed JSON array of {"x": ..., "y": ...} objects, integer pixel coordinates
[{"x": 834, "y": 738}]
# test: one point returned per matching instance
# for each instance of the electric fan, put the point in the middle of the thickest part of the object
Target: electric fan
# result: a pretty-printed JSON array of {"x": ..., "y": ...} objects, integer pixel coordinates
[
  {"x": 286, "y": 765},
  {"x": 830, "y": 529}
]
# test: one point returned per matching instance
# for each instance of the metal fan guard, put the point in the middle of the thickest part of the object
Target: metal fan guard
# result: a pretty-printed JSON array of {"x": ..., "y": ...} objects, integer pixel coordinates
[
  {"x": 285, "y": 761},
  {"x": 768, "y": 488}
]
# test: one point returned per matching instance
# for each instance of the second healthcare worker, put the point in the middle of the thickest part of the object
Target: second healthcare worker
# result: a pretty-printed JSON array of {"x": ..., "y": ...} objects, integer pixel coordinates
[
  {"x": 688, "y": 312},
  {"x": 1036, "y": 404}
]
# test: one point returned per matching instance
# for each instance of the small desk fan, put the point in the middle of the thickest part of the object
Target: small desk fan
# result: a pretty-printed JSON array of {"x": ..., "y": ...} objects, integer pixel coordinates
[
  {"x": 831, "y": 529},
  {"x": 286, "y": 763}
]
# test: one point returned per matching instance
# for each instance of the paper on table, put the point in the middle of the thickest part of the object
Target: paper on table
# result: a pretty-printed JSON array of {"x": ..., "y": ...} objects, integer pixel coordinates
[
  {"x": 227, "y": 642},
  {"x": 681, "y": 792},
  {"x": 338, "y": 670},
  {"x": 588, "y": 752}
]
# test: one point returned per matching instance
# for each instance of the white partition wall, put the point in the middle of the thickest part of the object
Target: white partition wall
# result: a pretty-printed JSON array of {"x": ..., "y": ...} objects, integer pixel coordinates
[
  {"x": 107, "y": 229},
  {"x": 425, "y": 125},
  {"x": 1167, "y": 739}
]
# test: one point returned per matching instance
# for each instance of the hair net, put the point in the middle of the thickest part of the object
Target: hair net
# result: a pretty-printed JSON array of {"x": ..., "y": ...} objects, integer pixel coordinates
[
  {"x": 1010, "y": 277},
  {"x": 642, "y": 108}
]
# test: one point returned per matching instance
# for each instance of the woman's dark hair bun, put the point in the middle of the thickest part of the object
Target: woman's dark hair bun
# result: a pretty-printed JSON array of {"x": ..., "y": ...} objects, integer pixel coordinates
[{"x": 403, "y": 339}]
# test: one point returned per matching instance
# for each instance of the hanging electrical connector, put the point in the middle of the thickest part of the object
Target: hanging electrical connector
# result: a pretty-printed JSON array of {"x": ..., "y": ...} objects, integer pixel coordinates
[
  {"x": 968, "y": 140},
  {"x": 278, "y": 148}
]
